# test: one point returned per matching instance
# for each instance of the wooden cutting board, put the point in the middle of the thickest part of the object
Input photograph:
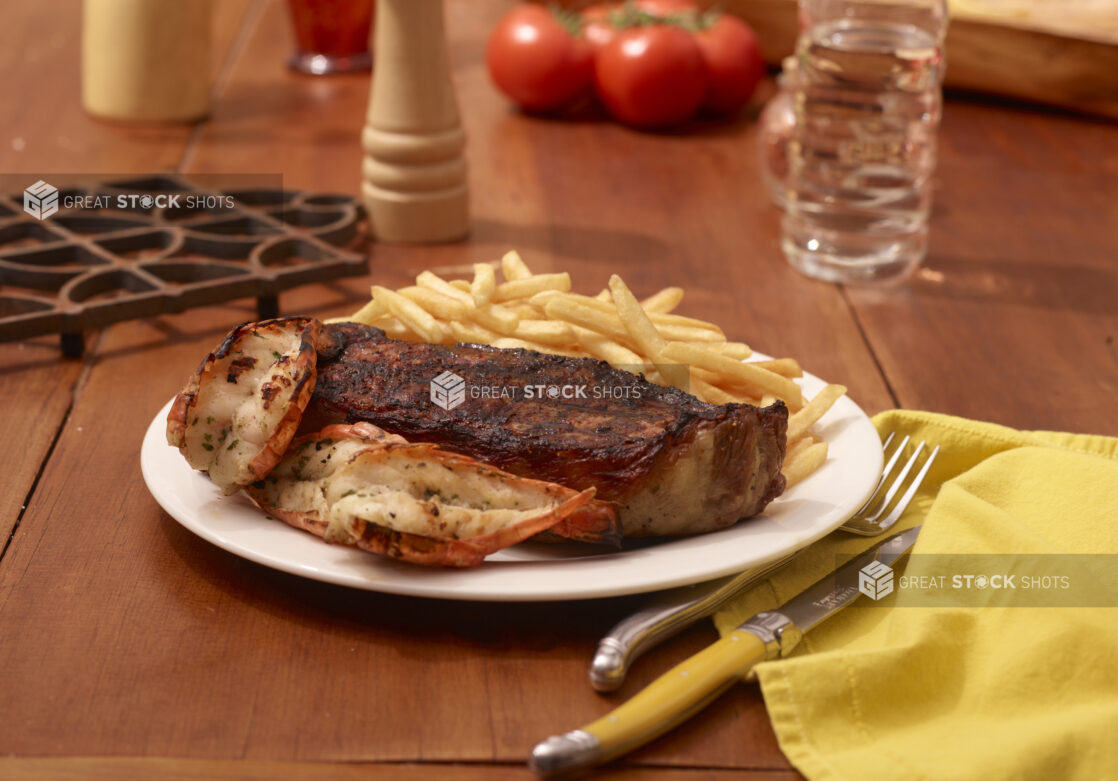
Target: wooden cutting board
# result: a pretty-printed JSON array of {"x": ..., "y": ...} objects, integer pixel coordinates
[{"x": 1062, "y": 53}]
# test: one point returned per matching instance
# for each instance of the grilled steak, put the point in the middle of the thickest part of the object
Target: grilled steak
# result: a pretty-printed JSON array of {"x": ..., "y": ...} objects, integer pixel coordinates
[{"x": 673, "y": 464}]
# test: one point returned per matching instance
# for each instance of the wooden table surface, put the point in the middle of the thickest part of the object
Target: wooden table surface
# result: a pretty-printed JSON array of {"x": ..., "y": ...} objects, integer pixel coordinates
[{"x": 133, "y": 649}]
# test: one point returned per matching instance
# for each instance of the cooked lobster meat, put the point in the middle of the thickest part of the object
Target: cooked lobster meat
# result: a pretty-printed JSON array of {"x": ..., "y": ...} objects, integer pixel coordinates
[
  {"x": 359, "y": 486},
  {"x": 671, "y": 463},
  {"x": 240, "y": 409}
]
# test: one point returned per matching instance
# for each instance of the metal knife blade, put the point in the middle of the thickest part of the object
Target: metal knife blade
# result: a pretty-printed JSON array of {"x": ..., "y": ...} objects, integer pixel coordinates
[{"x": 835, "y": 591}]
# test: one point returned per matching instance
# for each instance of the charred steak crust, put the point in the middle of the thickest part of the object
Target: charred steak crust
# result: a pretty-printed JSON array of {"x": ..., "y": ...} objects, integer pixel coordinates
[{"x": 673, "y": 463}]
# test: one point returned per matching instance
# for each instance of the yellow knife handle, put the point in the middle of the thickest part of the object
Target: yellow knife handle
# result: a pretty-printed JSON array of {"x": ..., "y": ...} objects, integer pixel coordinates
[
  {"x": 669, "y": 700},
  {"x": 677, "y": 694}
]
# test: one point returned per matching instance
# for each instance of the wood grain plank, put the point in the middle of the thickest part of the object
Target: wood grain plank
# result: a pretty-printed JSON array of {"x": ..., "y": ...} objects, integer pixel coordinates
[
  {"x": 1015, "y": 315},
  {"x": 137, "y": 769},
  {"x": 35, "y": 391}
]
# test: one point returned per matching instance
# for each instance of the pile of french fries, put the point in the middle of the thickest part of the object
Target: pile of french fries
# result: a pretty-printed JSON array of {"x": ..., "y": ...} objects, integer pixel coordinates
[{"x": 539, "y": 312}]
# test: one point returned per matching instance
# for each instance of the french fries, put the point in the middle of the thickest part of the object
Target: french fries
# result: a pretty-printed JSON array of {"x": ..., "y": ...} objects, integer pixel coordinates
[
  {"x": 437, "y": 304},
  {"x": 739, "y": 351},
  {"x": 634, "y": 319},
  {"x": 437, "y": 284},
  {"x": 497, "y": 318},
  {"x": 603, "y": 303},
  {"x": 539, "y": 312},
  {"x": 485, "y": 282},
  {"x": 523, "y": 288},
  {"x": 664, "y": 301},
  {"x": 411, "y": 314},
  {"x": 472, "y": 333},
  {"x": 804, "y": 462},
  {"x": 602, "y": 347},
  {"x": 735, "y": 371},
  {"x": 571, "y": 310},
  {"x": 513, "y": 267},
  {"x": 800, "y": 421},
  {"x": 553, "y": 332},
  {"x": 787, "y": 367}
]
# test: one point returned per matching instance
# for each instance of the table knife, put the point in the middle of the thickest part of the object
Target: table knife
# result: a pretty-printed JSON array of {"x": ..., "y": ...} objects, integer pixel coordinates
[
  {"x": 690, "y": 686},
  {"x": 667, "y": 613}
]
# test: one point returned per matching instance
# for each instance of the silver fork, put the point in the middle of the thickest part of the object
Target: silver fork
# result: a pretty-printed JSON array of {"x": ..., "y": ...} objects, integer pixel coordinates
[
  {"x": 880, "y": 511},
  {"x": 673, "y": 610}
]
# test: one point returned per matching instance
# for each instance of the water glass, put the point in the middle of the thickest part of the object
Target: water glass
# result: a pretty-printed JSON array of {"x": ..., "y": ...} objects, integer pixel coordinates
[{"x": 867, "y": 99}]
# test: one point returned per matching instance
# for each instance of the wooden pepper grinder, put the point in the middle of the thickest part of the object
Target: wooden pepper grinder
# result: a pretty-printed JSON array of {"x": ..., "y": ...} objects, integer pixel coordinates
[{"x": 414, "y": 171}]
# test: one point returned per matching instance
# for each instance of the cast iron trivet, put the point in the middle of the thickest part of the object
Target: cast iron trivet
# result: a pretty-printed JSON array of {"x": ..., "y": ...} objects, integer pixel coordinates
[{"x": 82, "y": 268}]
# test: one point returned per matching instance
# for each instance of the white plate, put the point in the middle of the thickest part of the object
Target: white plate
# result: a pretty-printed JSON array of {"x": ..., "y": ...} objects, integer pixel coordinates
[{"x": 533, "y": 571}]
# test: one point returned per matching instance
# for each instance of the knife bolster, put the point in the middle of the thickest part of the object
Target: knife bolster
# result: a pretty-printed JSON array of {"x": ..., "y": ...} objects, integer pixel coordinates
[{"x": 776, "y": 630}]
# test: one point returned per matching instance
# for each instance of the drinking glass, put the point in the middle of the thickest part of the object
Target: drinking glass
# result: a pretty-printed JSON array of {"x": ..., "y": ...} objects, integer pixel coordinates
[
  {"x": 867, "y": 102},
  {"x": 331, "y": 36}
]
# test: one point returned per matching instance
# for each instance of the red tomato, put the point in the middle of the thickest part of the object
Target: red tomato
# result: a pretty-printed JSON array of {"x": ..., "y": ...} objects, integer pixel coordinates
[
  {"x": 733, "y": 57},
  {"x": 534, "y": 59},
  {"x": 651, "y": 76},
  {"x": 597, "y": 19},
  {"x": 596, "y": 25},
  {"x": 667, "y": 7}
]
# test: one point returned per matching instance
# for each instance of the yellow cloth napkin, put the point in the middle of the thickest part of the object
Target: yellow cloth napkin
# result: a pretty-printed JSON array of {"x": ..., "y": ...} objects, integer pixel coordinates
[{"x": 961, "y": 692}]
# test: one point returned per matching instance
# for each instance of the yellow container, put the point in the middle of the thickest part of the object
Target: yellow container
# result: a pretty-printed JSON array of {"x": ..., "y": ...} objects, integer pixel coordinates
[{"x": 146, "y": 60}]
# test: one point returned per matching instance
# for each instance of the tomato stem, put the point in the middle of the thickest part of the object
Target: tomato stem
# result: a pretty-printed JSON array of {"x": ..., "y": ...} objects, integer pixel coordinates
[
  {"x": 630, "y": 15},
  {"x": 571, "y": 21}
]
